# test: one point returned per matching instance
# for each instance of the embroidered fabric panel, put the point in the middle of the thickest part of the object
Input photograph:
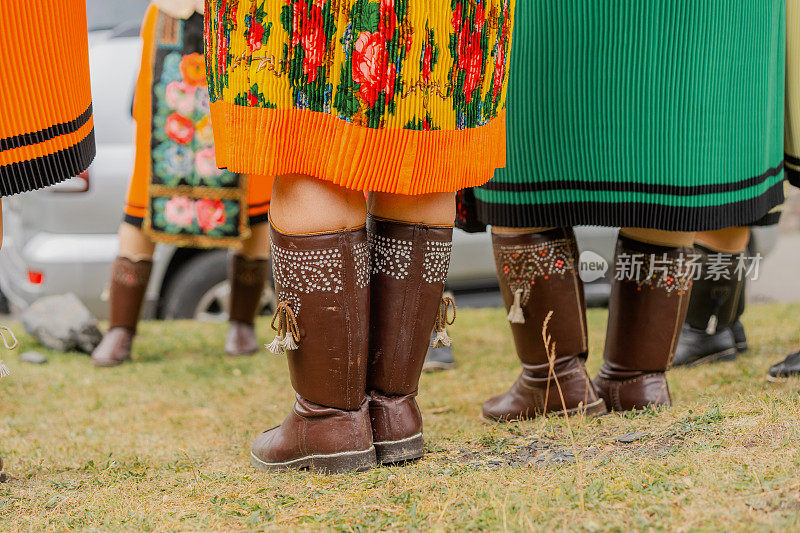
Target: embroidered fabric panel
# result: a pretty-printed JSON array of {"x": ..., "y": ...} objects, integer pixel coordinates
[
  {"x": 522, "y": 265},
  {"x": 436, "y": 262},
  {"x": 191, "y": 201},
  {"x": 304, "y": 272}
]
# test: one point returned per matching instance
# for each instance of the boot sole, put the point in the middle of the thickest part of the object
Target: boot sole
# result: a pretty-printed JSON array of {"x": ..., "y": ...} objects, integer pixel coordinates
[
  {"x": 109, "y": 364},
  {"x": 781, "y": 379},
  {"x": 240, "y": 354},
  {"x": 726, "y": 356},
  {"x": 400, "y": 451},
  {"x": 437, "y": 367},
  {"x": 334, "y": 463},
  {"x": 742, "y": 347},
  {"x": 595, "y": 408}
]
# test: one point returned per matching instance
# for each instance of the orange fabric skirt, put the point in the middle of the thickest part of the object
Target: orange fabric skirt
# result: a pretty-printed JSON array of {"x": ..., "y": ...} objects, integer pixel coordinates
[
  {"x": 405, "y": 97},
  {"x": 46, "y": 126}
]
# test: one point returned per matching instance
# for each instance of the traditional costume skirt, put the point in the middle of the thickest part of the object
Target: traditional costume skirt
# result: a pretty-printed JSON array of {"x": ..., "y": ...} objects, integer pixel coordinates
[
  {"x": 398, "y": 96},
  {"x": 46, "y": 127},
  {"x": 177, "y": 194},
  {"x": 665, "y": 115},
  {"x": 792, "y": 144}
]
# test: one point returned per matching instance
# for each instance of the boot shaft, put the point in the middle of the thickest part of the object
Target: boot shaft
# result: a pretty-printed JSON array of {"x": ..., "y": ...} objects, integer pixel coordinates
[
  {"x": 537, "y": 273},
  {"x": 718, "y": 292},
  {"x": 248, "y": 277},
  {"x": 409, "y": 269},
  {"x": 649, "y": 299},
  {"x": 129, "y": 281},
  {"x": 322, "y": 283}
]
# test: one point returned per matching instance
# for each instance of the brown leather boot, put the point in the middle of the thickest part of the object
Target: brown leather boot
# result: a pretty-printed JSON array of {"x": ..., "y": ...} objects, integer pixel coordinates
[
  {"x": 538, "y": 274},
  {"x": 649, "y": 299},
  {"x": 409, "y": 269},
  {"x": 248, "y": 277},
  {"x": 322, "y": 281},
  {"x": 128, "y": 285}
]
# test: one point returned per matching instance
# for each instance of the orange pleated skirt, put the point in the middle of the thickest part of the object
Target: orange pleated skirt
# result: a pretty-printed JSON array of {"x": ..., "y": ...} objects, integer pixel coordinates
[
  {"x": 405, "y": 97},
  {"x": 46, "y": 126}
]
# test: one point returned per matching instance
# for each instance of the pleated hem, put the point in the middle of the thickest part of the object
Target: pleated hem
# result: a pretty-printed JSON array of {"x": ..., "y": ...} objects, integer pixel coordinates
[
  {"x": 410, "y": 162},
  {"x": 792, "y": 169},
  {"x": 636, "y": 215},
  {"x": 46, "y": 170}
]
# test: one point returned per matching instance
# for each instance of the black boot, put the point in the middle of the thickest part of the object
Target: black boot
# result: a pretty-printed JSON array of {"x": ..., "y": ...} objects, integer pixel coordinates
[
  {"x": 737, "y": 328},
  {"x": 714, "y": 309},
  {"x": 789, "y": 367}
]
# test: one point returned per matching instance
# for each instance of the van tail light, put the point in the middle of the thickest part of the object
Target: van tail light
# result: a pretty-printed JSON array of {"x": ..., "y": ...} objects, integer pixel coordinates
[
  {"x": 79, "y": 183},
  {"x": 35, "y": 278}
]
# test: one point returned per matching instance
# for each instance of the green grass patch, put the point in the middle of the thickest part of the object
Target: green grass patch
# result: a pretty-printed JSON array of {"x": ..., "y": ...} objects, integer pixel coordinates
[{"x": 161, "y": 444}]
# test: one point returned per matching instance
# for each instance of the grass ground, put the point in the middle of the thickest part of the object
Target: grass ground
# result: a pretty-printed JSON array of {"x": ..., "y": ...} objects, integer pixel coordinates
[{"x": 162, "y": 444}]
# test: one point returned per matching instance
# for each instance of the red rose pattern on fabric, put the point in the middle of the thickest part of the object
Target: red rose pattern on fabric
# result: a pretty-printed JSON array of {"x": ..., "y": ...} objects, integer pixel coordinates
[{"x": 350, "y": 58}]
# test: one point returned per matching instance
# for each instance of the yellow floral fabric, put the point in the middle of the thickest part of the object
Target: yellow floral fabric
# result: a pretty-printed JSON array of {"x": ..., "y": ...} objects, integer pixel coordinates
[
  {"x": 329, "y": 71},
  {"x": 411, "y": 64}
]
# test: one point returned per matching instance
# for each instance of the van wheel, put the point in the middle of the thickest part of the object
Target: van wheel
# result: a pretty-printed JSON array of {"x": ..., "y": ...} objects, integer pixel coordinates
[{"x": 200, "y": 290}]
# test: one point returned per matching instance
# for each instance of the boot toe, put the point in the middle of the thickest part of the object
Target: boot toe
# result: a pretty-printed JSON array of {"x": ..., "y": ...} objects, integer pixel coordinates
[
  {"x": 506, "y": 407},
  {"x": 697, "y": 347},
  {"x": 114, "y": 349},
  {"x": 785, "y": 369},
  {"x": 241, "y": 339}
]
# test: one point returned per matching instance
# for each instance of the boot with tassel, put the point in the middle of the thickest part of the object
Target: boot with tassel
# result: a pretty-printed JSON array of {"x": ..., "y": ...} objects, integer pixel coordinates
[
  {"x": 538, "y": 275},
  {"x": 649, "y": 298},
  {"x": 248, "y": 277},
  {"x": 409, "y": 269},
  {"x": 322, "y": 282},
  {"x": 128, "y": 285}
]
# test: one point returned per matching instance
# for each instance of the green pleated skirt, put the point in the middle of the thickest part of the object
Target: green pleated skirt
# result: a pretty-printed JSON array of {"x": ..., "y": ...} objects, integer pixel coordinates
[{"x": 656, "y": 114}]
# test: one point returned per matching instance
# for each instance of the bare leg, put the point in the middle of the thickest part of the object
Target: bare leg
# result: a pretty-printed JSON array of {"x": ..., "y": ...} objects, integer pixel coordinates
[
  {"x": 134, "y": 244},
  {"x": 302, "y": 205},
  {"x": 257, "y": 245},
  {"x": 437, "y": 209},
  {"x": 728, "y": 240}
]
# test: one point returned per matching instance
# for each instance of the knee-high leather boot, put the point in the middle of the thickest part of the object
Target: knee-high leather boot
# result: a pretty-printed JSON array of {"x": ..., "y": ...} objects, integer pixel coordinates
[
  {"x": 128, "y": 286},
  {"x": 714, "y": 308},
  {"x": 538, "y": 274},
  {"x": 649, "y": 298},
  {"x": 248, "y": 277},
  {"x": 409, "y": 270},
  {"x": 322, "y": 281}
]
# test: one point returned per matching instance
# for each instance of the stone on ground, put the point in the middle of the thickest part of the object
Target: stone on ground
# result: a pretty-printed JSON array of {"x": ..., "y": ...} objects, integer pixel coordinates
[{"x": 62, "y": 323}]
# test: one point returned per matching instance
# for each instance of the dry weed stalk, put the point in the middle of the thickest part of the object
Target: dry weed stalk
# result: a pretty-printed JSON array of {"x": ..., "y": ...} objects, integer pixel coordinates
[{"x": 550, "y": 348}]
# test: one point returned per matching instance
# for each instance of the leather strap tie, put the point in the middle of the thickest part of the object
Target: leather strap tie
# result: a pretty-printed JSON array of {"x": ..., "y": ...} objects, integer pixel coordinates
[
  {"x": 443, "y": 320},
  {"x": 287, "y": 331}
]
